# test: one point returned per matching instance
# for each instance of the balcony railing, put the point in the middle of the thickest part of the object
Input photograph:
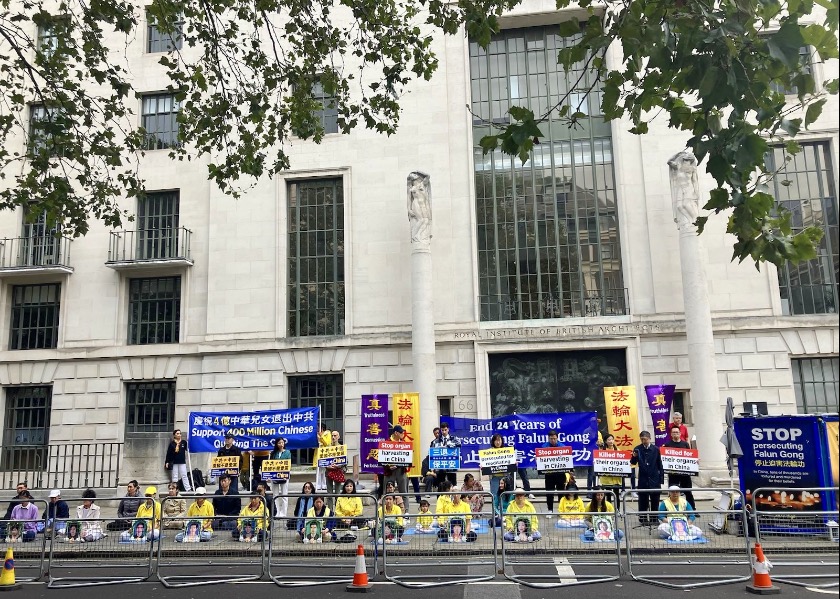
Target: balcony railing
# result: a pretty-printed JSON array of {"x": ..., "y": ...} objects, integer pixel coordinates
[
  {"x": 809, "y": 299},
  {"x": 530, "y": 306},
  {"x": 146, "y": 246},
  {"x": 35, "y": 253},
  {"x": 61, "y": 466}
]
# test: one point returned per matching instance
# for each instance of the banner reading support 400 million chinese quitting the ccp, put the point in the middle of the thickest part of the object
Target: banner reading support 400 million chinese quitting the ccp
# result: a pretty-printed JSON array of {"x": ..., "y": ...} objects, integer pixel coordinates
[{"x": 254, "y": 430}]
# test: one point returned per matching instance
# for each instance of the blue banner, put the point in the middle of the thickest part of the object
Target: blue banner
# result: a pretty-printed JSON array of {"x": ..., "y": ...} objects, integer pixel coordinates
[
  {"x": 526, "y": 432},
  {"x": 780, "y": 453},
  {"x": 444, "y": 458},
  {"x": 254, "y": 431}
]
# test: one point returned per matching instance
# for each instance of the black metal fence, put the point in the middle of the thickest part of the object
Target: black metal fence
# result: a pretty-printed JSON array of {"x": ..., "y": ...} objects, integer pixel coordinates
[
  {"x": 64, "y": 466},
  {"x": 148, "y": 245},
  {"x": 34, "y": 252}
]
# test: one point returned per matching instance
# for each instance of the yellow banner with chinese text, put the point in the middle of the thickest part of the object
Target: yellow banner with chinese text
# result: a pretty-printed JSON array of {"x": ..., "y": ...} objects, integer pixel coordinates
[
  {"x": 622, "y": 415},
  {"x": 406, "y": 408}
]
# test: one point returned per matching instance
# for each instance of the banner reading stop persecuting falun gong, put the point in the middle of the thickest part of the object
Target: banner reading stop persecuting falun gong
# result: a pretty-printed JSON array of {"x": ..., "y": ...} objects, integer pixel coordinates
[
  {"x": 622, "y": 415},
  {"x": 406, "y": 408}
]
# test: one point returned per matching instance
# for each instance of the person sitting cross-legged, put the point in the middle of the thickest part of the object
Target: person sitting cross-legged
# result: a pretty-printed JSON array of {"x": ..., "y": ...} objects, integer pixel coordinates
[
  {"x": 349, "y": 510},
  {"x": 391, "y": 522},
  {"x": 251, "y": 523},
  {"x": 318, "y": 523},
  {"x": 200, "y": 512},
  {"x": 676, "y": 517},
  {"x": 519, "y": 528},
  {"x": 457, "y": 528},
  {"x": 601, "y": 527},
  {"x": 148, "y": 514}
]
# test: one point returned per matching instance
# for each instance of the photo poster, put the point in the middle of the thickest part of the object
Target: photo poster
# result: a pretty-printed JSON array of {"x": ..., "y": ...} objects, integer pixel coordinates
[
  {"x": 679, "y": 529},
  {"x": 374, "y": 423},
  {"x": 406, "y": 408},
  {"x": 312, "y": 529},
  {"x": 782, "y": 454},
  {"x": 660, "y": 399},
  {"x": 249, "y": 528},
  {"x": 139, "y": 529},
  {"x": 603, "y": 528},
  {"x": 73, "y": 530},
  {"x": 522, "y": 525},
  {"x": 192, "y": 531},
  {"x": 622, "y": 415}
]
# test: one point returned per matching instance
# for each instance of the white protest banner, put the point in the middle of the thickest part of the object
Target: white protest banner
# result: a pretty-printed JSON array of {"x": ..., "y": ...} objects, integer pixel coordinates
[
  {"x": 276, "y": 470},
  {"x": 676, "y": 460},
  {"x": 332, "y": 455},
  {"x": 611, "y": 463},
  {"x": 392, "y": 452},
  {"x": 497, "y": 459},
  {"x": 554, "y": 459}
]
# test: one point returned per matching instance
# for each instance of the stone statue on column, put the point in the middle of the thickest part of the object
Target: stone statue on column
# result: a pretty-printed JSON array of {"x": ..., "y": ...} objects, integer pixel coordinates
[
  {"x": 420, "y": 206},
  {"x": 685, "y": 190}
]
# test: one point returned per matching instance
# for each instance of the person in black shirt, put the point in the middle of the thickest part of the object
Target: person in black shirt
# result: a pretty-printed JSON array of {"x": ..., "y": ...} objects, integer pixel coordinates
[
  {"x": 651, "y": 476},
  {"x": 230, "y": 449},
  {"x": 683, "y": 481},
  {"x": 226, "y": 505},
  {"x": 176, "y": 459}
]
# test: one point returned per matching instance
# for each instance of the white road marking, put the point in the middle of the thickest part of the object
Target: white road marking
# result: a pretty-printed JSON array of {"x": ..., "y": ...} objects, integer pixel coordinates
[{"x": 564, "y": 570}]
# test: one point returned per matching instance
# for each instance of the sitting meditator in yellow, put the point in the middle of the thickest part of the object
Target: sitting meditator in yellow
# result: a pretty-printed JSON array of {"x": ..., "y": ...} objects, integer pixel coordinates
[
  {"x": 676, "y": 518},
  {"x": 456, "y": 526},
  {"x": 252, "y": 519},
  {"x": 391, "y": 521},
  {"x": 521, "y": 519},
  {"x": 203, "y": 510}
]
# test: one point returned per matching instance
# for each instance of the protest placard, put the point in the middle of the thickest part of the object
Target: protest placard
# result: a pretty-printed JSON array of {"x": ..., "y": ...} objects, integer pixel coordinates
[
  {"x": 276, "y": 470},
  {"x": 611, "y": 463},
  {"x": 392, "y": 452},
  {"x": 497, "y": 459},
  {"x": 680, "y": 461},
  {"x": 554, "y": 459}
]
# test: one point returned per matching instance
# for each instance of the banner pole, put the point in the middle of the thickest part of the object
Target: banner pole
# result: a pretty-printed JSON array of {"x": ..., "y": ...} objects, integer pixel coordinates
[{"x": 189, "y": 468}]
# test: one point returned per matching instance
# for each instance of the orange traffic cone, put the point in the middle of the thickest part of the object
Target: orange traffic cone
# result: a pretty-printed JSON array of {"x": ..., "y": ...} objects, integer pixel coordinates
[
  {"x": 7, "y": 576},
  {"x": 360, "y": 577},
  {"x": 761, "y": 583}
]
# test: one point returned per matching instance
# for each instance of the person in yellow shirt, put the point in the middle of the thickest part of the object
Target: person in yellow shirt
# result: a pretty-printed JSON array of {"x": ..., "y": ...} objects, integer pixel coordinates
[
  {"x": 348, "y": 507},
  {"x": 521, "y": 523},
  {"x": 316, "y": 525},
  {"x": 571, "y": 509},
  {"x": 425, "y": 518},
  {"x": 251, "y": 522},
  {"x": 324, "y": 440},
  {"x": 457, "y": 526},
  {"x": 201, "y": 511},
  {"x": 149, "y": 514},
  {"x": 392, "y": 524},
  {"x": 443, "y": 502},
  {"x": 600, "y": 522}
]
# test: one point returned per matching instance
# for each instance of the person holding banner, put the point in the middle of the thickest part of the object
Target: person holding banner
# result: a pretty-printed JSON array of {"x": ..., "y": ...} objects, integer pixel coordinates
[
  {"x": 496, "y": 442},
  {"x": 230, "y": 449},
  {"x": 280, "y": 488},
  {"x": 678, "y": 422},
  {"x": 176, "y": 460},
  {"x": 397, "y": 472},
  {"x": 683, "y": 481},
  {"x": 324, "y": 440},
  {"x": 450, "y": 442},
  {"x": 651, "y": 476}
]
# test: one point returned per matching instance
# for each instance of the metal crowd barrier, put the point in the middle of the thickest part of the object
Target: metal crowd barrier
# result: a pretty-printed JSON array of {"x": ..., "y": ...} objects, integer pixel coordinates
[
  {"x": 575, "y": 548},
  {"x": 455, "y": 550},
  {"x": 88, "y": 554},
  {"x": 191, "y": 558},
  {"x": 310, "y": 551},
  {"x": 654, "y": 556},
  {"x": 29, "y": 555},
  {"x": 800, "y": 541}
]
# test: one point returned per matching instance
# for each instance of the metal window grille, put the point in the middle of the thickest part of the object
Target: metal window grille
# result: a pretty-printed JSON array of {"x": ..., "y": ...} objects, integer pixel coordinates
[
  {"x": 328, "y": 113},
  {"x": 157, "y": 222},
  {"x": 160, "y": 121},
  {"x": 27, "y": 427},
  {"x": 325, "y": 390},
  {"x": 160, "y": 41},
  {"x": 548, "y": 235},
  {"x": 154, "y": 310},
  {"x": 804, "y": 61},
  {"x": 45, "y": 128},
  {"x": 316, "y": 258},
  {"x": 47, "y": 39},
  {"x": 805, "y": 185},
  {"x": 150, "y": 407},
  {"x": 35, "y": 312},
  {"x": 816, "y": 382},
  {"x": 40, "y": 242}
]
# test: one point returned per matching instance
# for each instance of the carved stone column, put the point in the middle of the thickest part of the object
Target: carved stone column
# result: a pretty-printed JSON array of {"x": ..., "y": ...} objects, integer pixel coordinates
[
  {"x": 422, "y": 304},
  {"x": 705, "y": 395}
]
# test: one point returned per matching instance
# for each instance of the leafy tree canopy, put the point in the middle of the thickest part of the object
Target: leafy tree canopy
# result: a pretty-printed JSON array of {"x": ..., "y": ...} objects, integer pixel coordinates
[{"x": 243, "y": 74}]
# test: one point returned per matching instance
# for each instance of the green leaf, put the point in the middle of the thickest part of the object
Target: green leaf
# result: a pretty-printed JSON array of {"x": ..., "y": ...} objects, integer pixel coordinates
[{"x": 813, "y": 111}]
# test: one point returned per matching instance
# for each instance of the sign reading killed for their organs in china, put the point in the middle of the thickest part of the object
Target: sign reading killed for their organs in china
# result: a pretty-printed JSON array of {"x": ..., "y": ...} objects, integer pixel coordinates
[
  {"x": 680, "y": 461},
  {"x": 611, "y": 463},
  {"x": 554, "y": 459}
]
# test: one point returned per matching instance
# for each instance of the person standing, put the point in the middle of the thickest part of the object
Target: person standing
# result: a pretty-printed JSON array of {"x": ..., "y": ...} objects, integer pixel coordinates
[
  {"x": 445, "y": 440},
  {"x": 678, "y": 422},
  {"x": 324, "y": 440},
  {"x": 334, "y": 474},
  {"x": 397, "y": 472},
  {"x": 682, "y": 481},
  {"x": 280, "y": 488},
  {"x": 230, "y": 449},
  {"x": 555, "y": 480},
  {"x": 176, "y": 459},
  {"x": 651, "y": 477},
  {"x": 615, "y": 484}
]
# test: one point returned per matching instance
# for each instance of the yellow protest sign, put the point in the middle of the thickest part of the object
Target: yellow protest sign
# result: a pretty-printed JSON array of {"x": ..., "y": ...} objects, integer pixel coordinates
[
  {"x": 274, "y": 470},
  {"x": 406, "y": 408},
  {"x": 622, "y": 415},
  {"x": 226, "y": 464},
  {"x": 334, "y": 455}
]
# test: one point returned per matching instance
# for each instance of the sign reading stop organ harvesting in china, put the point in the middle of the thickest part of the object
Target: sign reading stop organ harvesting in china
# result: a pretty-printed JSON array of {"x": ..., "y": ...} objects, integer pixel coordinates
[
  {"x": 556, "y": 459},
  {"x": 392, "y": 452},
  {"x": 680, "y": 461},
  {"x": 611, "y": 463}
]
